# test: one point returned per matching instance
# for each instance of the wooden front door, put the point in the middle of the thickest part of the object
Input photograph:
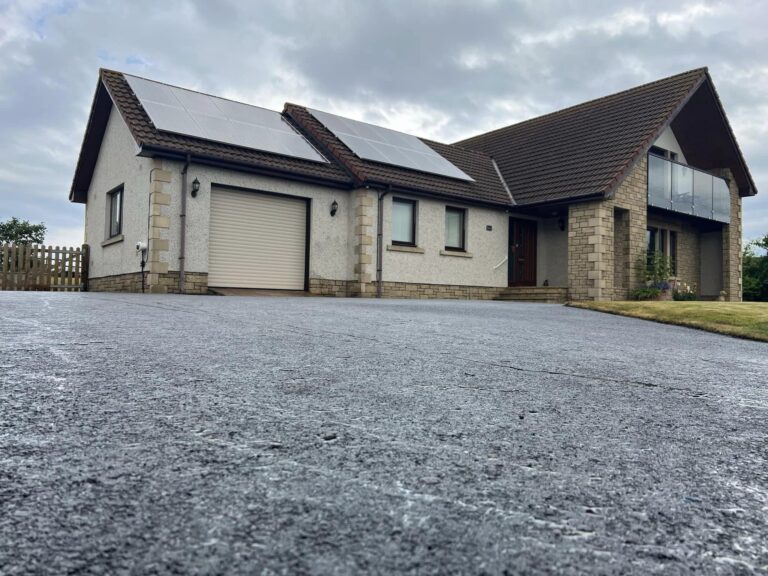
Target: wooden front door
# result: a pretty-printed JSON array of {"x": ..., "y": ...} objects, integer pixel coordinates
[{"x": 522, "y": 252}]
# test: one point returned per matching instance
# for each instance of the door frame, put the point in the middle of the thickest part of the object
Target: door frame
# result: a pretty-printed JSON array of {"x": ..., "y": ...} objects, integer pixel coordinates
[{"x": 534, "y": 226}]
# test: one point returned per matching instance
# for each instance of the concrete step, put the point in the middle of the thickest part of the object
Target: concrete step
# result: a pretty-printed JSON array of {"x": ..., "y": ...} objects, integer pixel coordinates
[{"x": 535, "y": 294}]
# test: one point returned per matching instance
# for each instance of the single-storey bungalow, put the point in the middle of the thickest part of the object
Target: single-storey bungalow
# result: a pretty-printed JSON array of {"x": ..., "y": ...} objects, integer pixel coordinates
[{"x": 186, "y": 192}]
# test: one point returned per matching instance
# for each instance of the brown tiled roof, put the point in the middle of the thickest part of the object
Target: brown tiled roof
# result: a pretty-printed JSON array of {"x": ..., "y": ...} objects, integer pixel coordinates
[
  {"x": 147, "y": 135},
  {"x": 579, "y": 152},
  {"x": 587, "y": 149},
  {"x": 486, "y": 188}
]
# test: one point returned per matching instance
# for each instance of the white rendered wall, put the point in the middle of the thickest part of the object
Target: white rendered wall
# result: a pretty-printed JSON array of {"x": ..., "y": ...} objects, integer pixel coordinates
[
  {"x": 487, "y": 248},
  {"x": 117, "y": 164},
  {"x": 668, "y": 141},
  {"x": 331, "y": 238},
  {"x": 330, "y": 249}
]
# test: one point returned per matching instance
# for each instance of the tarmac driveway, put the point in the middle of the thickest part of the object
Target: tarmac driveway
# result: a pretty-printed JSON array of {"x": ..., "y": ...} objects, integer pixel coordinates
[{"x": 208, "y": 435}]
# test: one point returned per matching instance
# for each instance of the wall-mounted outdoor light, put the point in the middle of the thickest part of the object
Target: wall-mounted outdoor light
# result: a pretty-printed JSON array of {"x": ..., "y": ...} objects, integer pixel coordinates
[
  {"x": 195, "y": 187},
  {"x": 334, "y": 208}
]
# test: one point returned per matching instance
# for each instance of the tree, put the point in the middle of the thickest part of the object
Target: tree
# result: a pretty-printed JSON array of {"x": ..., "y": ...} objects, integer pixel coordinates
[
  {"x": 15, "y": 231},
  {"x": 755, "y": 271}
]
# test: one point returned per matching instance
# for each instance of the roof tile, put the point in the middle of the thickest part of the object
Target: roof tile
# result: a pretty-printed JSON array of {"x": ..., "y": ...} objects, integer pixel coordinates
[
  {"x": 486, "y": 188},
  {"x": 147, "y": 135},
  {"x": 580, "y": 151}
]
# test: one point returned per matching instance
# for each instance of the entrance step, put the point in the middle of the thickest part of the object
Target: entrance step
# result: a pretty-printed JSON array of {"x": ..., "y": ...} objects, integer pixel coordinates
[{"x": 545, "y": 294}]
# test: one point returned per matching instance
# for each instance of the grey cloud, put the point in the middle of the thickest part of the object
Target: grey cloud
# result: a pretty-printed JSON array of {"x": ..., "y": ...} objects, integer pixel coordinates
[{"x": 476, "y": 65}]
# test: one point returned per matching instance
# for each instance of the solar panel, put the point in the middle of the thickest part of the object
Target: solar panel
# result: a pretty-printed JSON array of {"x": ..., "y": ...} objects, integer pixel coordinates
[
  {"x": 379, "y": 144},
  {"x": 181, "y": 111}
]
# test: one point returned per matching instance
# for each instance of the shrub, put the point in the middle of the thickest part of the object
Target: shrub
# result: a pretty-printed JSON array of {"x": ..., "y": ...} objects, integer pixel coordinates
[
  {"x": 646, "y": 293},
  {"x": 684, "y": 293},
  {"x": 656, "y": 268},
  {"x": 756, "y": 271}
]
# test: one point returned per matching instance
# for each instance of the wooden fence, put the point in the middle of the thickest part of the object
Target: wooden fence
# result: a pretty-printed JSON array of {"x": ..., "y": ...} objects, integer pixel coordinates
[{"x": 33, "y": 267}]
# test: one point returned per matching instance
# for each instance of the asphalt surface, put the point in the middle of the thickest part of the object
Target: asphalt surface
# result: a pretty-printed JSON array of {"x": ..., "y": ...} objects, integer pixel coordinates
[{"x": 209, "y": 435}]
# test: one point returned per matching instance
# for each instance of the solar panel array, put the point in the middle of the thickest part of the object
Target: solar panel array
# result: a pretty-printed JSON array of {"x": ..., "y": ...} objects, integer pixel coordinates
[
  {"x": 379, "y": 144},
  {"x": 181, "y": 111}
]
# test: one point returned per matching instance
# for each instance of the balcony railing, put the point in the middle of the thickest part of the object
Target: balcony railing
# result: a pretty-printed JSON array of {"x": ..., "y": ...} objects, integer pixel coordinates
[{"x": 680, "y": 188}]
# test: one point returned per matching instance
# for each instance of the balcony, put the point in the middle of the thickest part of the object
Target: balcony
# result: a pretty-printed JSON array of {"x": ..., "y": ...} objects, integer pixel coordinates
[{"x": 680, "y": 188}]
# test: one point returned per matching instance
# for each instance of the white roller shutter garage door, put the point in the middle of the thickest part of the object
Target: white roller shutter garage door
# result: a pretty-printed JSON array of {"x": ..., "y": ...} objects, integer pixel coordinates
[{"x": 257, "y": 240}]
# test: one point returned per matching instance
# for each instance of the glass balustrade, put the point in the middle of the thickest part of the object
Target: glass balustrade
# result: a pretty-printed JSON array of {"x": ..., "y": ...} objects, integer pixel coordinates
[{"x": 680, "y": 188}]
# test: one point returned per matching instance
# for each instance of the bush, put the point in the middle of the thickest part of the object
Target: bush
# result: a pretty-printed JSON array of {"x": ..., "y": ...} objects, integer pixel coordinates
[
  {"x": 655, "y": 268},
  {"x": 684, "y": 293},
  {"x": 755, "y": 283},
  {"x": 683, "y": 296},
  {"x": 647, "y": 293}
]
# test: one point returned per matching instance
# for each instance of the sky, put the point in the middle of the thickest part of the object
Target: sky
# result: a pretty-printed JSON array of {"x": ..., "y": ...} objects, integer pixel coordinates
[{"x": 439, "y": 69}]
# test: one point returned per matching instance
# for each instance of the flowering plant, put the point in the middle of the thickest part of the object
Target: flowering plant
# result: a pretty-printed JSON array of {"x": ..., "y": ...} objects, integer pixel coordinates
[{"x": 685, "y": 292}]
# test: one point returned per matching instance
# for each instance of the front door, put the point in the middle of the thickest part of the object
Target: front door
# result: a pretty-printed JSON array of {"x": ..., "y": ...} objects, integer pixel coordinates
[{"x": 522, "y": 252}]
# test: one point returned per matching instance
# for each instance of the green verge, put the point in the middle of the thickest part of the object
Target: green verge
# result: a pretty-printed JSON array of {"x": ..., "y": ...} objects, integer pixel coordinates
[{"x": 740, "y": 319}]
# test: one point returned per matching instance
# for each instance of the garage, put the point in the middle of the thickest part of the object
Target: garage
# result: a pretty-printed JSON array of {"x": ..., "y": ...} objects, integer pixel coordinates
[{"x": 257, "y": 240}]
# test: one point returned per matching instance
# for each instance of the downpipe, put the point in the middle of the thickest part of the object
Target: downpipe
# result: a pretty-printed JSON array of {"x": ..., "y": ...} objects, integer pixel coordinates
[
  {"x": 183, "y": 225},
  {"x": 380, "y": 241}
]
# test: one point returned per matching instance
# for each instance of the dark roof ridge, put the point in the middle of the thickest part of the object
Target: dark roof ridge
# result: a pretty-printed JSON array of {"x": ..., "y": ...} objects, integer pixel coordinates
[
  {"x": 309, "y": 109},
  {"x": 478, "y": 153},
  {"x": 652, "y": 135},
  {"x": 485, "y": 187},
  {"x": 588, "y": 103}
]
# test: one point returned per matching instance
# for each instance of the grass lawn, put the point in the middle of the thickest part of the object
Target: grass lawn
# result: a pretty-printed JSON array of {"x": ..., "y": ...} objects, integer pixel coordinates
[{"x": 742, "y": 319}]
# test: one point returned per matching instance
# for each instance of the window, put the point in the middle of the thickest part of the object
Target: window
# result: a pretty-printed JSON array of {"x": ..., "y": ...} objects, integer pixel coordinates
[
  {"x": 115, "y": 205},
  {"x": 454, "y": 228},
  {"x": 662, "y": 241},
  {"x": 403, "y": 222},
  {"x": 668, "y": 154}
]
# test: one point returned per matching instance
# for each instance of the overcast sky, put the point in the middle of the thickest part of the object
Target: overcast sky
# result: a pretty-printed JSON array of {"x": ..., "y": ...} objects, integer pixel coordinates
[{"x": 444, "y": 70}]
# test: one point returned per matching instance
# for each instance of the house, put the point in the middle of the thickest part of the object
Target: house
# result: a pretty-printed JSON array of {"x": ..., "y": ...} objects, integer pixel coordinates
[{"x": 567, "y": 205}]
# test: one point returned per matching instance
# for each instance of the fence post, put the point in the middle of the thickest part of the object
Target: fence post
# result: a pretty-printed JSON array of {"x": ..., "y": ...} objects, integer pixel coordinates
[
  {"x": 4, "y": 280},
  {"x": 13, "y": 265},
  {"x": 48, "y": 262},
  {"x": 86, "y": 258}
]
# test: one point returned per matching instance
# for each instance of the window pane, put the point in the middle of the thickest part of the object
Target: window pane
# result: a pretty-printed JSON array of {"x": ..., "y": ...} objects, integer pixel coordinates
[
  {"x": 119, "y": 210},
  {"x": 721, "y": 200},
  {"x": 402, "y": 222},
  {"x": 112, "y": 215},
  {"x": 702, "y": 194},
  {"x": 454, "y": 228},
  {"x": 659, "y": 182},
  {"x": 115, "y": 213},
  {"x": 650, "y": 237},
  {"x": 682, "y": 188}
]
